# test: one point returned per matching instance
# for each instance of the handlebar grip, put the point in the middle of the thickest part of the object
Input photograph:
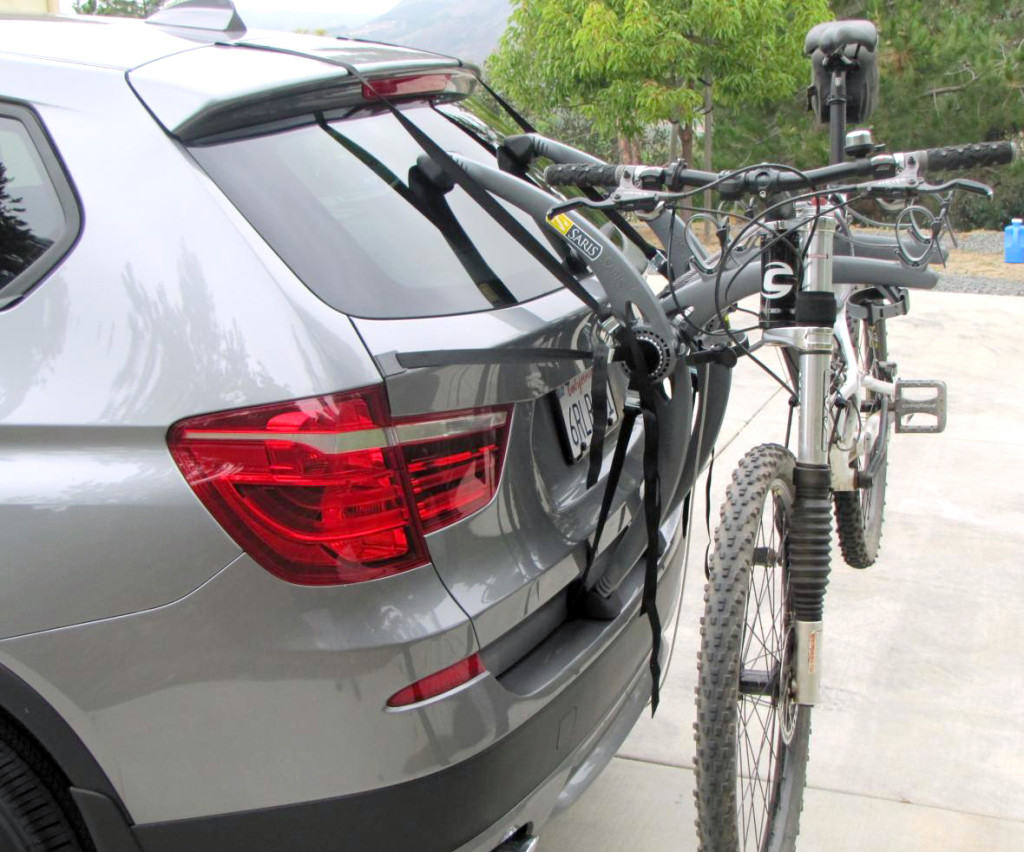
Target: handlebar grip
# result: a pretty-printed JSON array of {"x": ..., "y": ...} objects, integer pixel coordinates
[
  {"x": 968, "y": 156},
  {"x": 583, "y": 174}
]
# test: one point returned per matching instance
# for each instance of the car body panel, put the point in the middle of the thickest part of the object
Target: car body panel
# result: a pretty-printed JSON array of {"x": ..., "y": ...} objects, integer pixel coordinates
[
  {"x": 115, "y": 44},
  {"x": 210, "y": 692},
  {"x": 251, "y": 693},
  {"x": 214, "y": 321}
]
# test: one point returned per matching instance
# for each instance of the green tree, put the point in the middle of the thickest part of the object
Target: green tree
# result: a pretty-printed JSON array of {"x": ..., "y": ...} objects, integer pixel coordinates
[
  {"x": 950, "y": 73},
  {"x": 629, "y": 64},
  {"x": 118, "y": 8}
]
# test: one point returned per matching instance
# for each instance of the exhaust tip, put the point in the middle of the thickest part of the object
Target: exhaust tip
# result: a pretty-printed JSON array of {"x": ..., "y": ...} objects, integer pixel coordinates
[{"x": 520, "y": 841}]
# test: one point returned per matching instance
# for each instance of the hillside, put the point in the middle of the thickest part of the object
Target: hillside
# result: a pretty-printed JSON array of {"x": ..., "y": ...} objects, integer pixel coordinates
[{"x": 469, "y": 29}]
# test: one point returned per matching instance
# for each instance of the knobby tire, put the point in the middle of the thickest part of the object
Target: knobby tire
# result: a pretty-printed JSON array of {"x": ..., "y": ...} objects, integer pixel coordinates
[{"x": 752, "y": 737}]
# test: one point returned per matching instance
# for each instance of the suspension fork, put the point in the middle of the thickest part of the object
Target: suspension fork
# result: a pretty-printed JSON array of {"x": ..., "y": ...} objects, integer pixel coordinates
[{"x": 809, "y": 547}]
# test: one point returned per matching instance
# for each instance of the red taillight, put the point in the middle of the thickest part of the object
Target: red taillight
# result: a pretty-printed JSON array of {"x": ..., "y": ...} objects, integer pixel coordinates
[
  {"x": 332, "y": 489},
  {"x": 439, "y": 682},
  {"x": 414, "y": 84}
]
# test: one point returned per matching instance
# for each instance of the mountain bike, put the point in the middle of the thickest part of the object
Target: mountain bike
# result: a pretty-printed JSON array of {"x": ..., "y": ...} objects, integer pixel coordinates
[
  {"x": 826, "y": 293},
  {"x": 760, "y": 659},
  {"x": 761, "y": 635}
]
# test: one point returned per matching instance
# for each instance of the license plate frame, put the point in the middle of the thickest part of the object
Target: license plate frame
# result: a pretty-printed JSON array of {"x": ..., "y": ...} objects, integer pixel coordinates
[{"x": 573, "y": 403}]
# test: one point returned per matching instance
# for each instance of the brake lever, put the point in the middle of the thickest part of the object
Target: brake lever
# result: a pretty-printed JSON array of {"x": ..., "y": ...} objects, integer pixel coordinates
[
  {"x": 570, "y": 205},
  {"x": 905, "y": 187},
  {"x": 977, "y": 187},
  {"x": 629, "y": 200}
]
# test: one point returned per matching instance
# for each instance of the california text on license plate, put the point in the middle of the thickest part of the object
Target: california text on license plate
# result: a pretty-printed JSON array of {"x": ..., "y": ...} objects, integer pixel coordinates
[{"x": 577, "y": 409}]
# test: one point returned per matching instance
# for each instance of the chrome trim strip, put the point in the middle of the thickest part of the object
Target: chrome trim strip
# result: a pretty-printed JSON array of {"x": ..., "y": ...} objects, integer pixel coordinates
[
  {"x": 366, "y": 439},
  {"x": 450, "y": 427},
  {"x": 326, "y": 442}
]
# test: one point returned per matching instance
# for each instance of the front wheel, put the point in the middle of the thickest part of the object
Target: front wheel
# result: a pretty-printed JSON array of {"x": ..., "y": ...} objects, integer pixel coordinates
[{"x": 751, "y": 734}]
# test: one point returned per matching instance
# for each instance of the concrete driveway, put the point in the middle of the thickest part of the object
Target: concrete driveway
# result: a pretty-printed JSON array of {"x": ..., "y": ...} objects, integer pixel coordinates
[{"x": 918, "y": 744}]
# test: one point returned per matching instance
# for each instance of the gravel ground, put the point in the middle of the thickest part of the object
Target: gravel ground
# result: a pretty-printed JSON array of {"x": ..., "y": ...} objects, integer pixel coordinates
[
  {"x": 984, "y": 243},
  {"x": 975, "y": 284}
]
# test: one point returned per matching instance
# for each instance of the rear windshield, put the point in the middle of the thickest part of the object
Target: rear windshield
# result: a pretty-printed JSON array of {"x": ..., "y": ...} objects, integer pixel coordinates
[{"x": 338, "y": 203}]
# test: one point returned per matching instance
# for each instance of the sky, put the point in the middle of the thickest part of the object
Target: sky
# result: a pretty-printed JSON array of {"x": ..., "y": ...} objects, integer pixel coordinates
[
  {"x": 290, "y": 14},
  {"x": 344, "y": 7}
]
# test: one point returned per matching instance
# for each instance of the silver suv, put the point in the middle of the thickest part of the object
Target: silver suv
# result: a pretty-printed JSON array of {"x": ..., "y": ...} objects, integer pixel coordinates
[{"x": 266, "y": 584}]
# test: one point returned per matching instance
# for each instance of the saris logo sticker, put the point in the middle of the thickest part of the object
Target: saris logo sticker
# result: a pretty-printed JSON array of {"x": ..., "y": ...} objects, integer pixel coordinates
[{"x": 565, "y": 226}]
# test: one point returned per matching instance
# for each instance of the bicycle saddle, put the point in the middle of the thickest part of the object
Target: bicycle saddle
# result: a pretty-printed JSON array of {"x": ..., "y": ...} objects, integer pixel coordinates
[{"x": 834, "y": 35}]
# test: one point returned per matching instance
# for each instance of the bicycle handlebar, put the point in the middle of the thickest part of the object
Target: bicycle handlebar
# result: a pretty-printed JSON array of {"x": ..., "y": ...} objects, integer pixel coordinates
[
  {"x": 966, "y": 156},
  {"x": 767, "y": 179},
  {"x": 763, "y": 178}
]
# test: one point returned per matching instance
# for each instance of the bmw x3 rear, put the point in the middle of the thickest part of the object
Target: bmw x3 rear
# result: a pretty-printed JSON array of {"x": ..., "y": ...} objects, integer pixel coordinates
[{"x": 264, "y": 586}]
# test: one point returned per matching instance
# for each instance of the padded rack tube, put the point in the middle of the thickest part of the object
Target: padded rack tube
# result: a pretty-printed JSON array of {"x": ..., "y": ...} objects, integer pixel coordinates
[{"x": 698, "y": 292}]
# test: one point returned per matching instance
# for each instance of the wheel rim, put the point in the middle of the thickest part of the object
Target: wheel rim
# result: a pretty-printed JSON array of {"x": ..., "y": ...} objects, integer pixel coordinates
[{"x": 766, "y": 709}]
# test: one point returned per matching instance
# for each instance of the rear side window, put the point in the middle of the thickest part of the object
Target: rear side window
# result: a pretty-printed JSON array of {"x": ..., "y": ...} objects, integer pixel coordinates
[
  {"x": 39, "y": 218},
  {"x": 340, "y": 204}
]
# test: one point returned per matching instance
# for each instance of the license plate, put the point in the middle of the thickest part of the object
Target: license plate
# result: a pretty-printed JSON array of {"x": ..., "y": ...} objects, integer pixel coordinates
[{"x": 576, "y": 406}]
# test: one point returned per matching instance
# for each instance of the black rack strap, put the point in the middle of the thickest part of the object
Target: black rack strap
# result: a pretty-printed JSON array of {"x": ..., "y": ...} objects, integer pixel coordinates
[
  {"x": 618, "y": 460},
  {"x": 599, "y": 399},
  {"x": 511, "y": 110},
  {"x": 652, "y": 502},
  {"x": 652, "y": 515},
  {"x": 426, "y": 197},
  {"x": 432, "y": 203},
  {"x": 483, "y": 198}
]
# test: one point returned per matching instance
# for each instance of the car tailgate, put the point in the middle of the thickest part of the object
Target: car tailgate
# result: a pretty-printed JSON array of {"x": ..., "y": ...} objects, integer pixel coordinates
[{"x": 509, "y": 559}]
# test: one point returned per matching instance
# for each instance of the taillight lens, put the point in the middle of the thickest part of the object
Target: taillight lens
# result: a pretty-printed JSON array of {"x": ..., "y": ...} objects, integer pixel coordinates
[{"x": 331, "y": 489}]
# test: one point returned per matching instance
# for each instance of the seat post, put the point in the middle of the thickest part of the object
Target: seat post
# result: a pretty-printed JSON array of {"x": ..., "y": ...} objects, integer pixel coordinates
[{"x": 837, "y": 111}]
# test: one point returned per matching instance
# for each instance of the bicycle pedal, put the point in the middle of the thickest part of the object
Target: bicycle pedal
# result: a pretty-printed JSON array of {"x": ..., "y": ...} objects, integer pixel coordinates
[{"x": 923, "y": 397}]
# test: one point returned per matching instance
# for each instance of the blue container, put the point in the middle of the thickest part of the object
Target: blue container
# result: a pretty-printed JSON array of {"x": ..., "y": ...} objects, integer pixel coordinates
[{"x": 1013, "y": 241}]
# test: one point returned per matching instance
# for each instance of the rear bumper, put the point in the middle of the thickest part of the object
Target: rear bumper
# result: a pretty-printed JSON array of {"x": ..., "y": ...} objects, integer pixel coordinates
[
  {"x": 439, "y": 812},
  {"x": 541, "y": 766}
]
